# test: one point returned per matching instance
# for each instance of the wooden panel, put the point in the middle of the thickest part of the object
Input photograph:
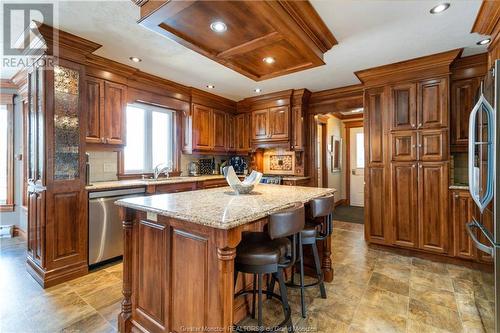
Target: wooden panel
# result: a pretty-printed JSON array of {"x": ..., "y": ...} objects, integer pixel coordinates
[
  {"x": 404, "y": 204},
  {"x": 189, "y": 281},
  {"x": 461, "y": 214},
  {"x": 292, "y": 33},
  {"x": 66, "y": 227},
  {"x": 95, "y": 109},
  {"x": 403, "y": 106},
  {"x": 374, "y": 125},
  {"x": 463, "y": 94},
  {"x": 279, "y": 123},
  {"x": 175, "y": 188},
  {"x": 375, "y": 214},
  {"x": 150, "y": 285},
  {"x": 298, "y": 128},
  {"x": 433, "y": 206},
  {"x": 433, "y": 145},
  {"x": 202, "y": 127},
  {"x": 219, "y": 131},
  {"x": 260, "y": 125},
  {"x": 242, "y": 132},
  {"x": 114, "y": 113},
  {"x": 404, "y": 146},
  {"x": 230, "y": 132},
  {"x": 433, "y": 103}
]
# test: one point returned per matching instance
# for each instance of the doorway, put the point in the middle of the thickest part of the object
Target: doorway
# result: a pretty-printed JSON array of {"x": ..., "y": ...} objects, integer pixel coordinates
[{"x": 356, "y": 166}]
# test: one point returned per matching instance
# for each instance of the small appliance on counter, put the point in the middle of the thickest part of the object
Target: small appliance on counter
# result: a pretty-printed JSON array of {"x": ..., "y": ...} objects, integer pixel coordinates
[
  {"x": 193, "y": 169},
  {"x": 239, "y": 165},
  {"x": 271, "y": 179}
]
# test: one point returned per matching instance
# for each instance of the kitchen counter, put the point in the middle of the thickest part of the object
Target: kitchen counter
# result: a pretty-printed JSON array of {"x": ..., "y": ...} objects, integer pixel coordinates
[
  {"x": 116, "y": 184},
  {"x": 296, "y": 178},
  {"x": 179, "y": 252},
  {"x": 222, "y": 209},
  {"x": 459, "y": 187}
]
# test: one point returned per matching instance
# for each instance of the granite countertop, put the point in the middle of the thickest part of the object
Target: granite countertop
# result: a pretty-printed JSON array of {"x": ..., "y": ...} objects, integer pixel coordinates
[
  {"x": 222, "y": 209},
  {"x": 295, "y": 178},
  {"x": 97, "y": 186},
  {"x": 459, "y": 187}
]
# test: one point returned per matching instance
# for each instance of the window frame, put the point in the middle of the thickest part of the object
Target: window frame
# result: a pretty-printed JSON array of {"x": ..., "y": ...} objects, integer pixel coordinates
[
  {"x": 8, "y": 101},
  {"x": 148, "y": 140}
]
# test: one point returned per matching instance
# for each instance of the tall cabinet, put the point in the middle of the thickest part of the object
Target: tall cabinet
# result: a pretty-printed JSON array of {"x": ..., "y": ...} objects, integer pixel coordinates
[{"x": 407, "y": 157}]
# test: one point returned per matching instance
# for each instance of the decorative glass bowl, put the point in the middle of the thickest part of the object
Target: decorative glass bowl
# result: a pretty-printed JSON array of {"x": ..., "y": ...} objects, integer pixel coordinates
[{"x": 241, "y": 187}]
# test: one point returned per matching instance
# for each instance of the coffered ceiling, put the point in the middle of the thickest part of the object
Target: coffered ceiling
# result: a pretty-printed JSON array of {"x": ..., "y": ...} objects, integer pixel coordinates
[{"x": 369, "y": 33}]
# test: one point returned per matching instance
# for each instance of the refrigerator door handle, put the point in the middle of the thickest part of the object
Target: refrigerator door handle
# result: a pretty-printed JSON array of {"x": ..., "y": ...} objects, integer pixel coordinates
[
  {"x": 480, "y": 246},
  {"x": 474, "y": 181}
]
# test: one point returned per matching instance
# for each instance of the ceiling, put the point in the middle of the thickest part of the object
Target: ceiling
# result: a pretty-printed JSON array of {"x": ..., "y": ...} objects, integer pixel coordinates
[{"x": 370, "y": 33}]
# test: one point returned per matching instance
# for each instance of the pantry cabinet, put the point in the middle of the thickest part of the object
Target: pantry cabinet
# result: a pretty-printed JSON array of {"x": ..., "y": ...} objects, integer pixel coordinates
[{"x": 461, "y": 212}]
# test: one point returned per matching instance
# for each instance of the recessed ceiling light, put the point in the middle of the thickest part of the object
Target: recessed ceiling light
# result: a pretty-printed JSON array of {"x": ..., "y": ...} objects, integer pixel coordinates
[
  {"x": 135, "y": 59},
  {"x": 257, "y": 90},
  {"x": 440, "y": 8},
  {"x": 210, "y": 86},
  {"x": 484, "y": 41},
  {"x": 218, "y": 26},
  {"x": 269, "y": 60}
]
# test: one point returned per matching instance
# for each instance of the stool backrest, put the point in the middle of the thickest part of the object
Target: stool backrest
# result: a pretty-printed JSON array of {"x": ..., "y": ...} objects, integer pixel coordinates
[
  {"x": 322, "y": 206},
  {"x": 287, "y": 222}
]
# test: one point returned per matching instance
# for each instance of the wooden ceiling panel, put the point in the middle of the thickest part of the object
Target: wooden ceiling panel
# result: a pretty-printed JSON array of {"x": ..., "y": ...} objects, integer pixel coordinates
[{"x": 290, "y": 31}]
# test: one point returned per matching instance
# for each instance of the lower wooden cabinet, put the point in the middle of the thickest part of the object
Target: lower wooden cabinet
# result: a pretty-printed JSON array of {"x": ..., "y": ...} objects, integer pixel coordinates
[
  {"x": 376, "y": 216},
  {"x": 461, "y": 210}
]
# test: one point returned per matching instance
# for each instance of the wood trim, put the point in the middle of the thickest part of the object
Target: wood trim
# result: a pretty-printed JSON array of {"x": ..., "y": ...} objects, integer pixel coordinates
[
  {"x": 413, "y": 69},
  {"x": 348, "y": 126},
  {"x": 7, "y": 84},
  {"x": 469, "y": 67},
  {"x": 487, "y": 18},
  {"x": 275, "y": 99},
  {"x": 8, "y": 100},
  {"x": 324, "y": 142},
  {"x": 341, "y": 202},
  {"x": 336, "y": 100}
]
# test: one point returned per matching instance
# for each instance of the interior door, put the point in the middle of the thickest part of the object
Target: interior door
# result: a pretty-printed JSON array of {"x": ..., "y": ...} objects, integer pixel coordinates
[{"x": 357, "y": 164}]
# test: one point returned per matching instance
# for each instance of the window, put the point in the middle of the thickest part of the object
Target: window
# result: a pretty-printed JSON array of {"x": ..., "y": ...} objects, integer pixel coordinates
[
  {"x": 6, "y": 156},
  {"x": 150, "y": 138},
  {"x": 360, "y": 150}
]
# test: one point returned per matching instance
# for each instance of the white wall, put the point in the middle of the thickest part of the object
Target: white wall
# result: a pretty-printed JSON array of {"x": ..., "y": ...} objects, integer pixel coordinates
[
  {"x": 19, "y": 216},
  {"x": 337, "y": 179}
]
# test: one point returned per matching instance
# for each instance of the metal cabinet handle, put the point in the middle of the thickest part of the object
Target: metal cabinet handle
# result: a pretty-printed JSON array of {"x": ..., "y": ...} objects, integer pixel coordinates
[
  {"x": 480, "y": 246},
  {"x": 419, "y": 125}
]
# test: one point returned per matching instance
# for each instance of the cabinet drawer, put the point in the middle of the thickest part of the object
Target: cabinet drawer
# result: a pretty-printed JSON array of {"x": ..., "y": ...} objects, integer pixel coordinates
[
  {"x": 404, "y": 146},
  {"x": 174, "y": 188},
  {"x": 433, "y": 145},
  {"x": 213, "y": 183}
]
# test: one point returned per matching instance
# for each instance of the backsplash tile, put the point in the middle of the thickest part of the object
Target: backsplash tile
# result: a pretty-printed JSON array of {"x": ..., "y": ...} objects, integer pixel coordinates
[
  {"x": 459, "y": 170},
  {"x": 103, "y": 166}
]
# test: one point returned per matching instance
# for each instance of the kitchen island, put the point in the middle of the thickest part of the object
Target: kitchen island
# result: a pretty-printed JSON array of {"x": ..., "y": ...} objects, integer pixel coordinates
[{"x": 179, "y": 250}]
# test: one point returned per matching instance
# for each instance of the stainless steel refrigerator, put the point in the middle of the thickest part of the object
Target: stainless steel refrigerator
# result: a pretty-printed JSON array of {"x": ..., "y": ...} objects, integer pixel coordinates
[{"x": 484, "y": 187}]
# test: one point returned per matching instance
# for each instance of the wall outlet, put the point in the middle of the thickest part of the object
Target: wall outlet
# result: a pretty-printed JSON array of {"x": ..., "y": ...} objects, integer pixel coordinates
[{"x": 109, "y": 167}]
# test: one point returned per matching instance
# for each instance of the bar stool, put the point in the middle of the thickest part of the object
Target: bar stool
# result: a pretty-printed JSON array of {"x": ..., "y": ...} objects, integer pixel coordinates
[
  {"x": 270, "y": 252},
  {"x": 322, "y": 210}
]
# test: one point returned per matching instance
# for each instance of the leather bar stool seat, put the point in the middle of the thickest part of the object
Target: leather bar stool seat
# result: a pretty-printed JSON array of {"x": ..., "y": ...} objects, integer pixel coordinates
[
  {"x": 309, "y": 234},
  {"x": 257, "y": 248}
]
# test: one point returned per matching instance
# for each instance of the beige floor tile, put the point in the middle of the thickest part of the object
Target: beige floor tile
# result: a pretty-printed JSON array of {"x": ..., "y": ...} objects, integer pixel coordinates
[
  {"x": 376, "y": 319},
  {"x": 92, "y": 282},
  {"x": 390, "y": 302},
  {"x": 104, "y": 297},
  {"x": 415, "y": 326},
  {"x": 393, "y": 270},
  {"x": 435, "y": 315},
  {"x": 427, "y": 294},
  {"x": 430, "y": 266},
  {"x": 387, "y": 283},
  {"x": 463, "y": 273},
  {"x": 350, "y": 272},
  {"x": 429, "y": 279},
  {"x": 90, "y": 324},
  {"x": 321, "y": 321},
  {"x": 111, "y": 312}
]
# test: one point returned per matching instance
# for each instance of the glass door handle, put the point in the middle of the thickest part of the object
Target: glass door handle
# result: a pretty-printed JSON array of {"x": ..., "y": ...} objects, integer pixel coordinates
[{"x": 480, "y": 246}]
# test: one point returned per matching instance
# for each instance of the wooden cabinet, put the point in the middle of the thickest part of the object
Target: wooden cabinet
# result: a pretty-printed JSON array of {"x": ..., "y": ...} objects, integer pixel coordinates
[
  {"x": 404, "y": 146},
  {"x": 202, "y": 130},
  {"x": 242, "y": 132},
  {"x": 271, "y": 124},
  {"x": 404, "y": 188},
  {"x": 432, "y": 104},
  {"x": 403, "y": 106},
  {"x": 172, "y": 188},
  {"x": 433, "y": 206},
  {"x": 218, "y": 132},
  {"x": 230, "y": 132},
  {"x": 461, "y": 210},
  {"x": 433, "y": 145},
  {"x": 105, "y": 105},
  {"x": 298, "y": 140},
  {"x": 463, "y": 93}
]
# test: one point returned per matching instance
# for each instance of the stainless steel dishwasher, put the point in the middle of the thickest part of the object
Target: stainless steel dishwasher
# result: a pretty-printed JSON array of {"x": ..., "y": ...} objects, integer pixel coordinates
[{"x": 105, "y": 227}]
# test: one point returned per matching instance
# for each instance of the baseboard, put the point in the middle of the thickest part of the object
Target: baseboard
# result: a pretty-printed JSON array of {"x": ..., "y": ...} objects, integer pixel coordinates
[
  {"x": 18, "y": 232},
  {"x": 56, "y": 276},
  {"x": 340, "y": 202}
]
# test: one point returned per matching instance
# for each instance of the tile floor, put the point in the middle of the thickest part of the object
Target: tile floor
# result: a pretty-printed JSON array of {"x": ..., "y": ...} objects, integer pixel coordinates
[{"x": 373, "y": 291}]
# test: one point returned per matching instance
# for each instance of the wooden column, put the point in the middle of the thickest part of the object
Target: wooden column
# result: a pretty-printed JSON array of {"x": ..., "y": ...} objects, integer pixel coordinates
[{"x": 126, "y": 215}]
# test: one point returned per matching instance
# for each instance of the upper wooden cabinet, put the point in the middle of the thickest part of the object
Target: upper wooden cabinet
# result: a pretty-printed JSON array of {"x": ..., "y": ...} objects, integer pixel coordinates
[
  {"x": 230, "y": 132},
  {"x": 432, "y": 104},
  {"x": 272, "y": 124},
  {"x": 106, "y": 104},
  {"x": 202, "y": 130},
  {"x": 374, "y": 125},
  {"x": 403, "y": 106},
  {"x": 463, "y": 94},
  {"x": 242, "y": 132},
  {"x": 219, "y": 131}
]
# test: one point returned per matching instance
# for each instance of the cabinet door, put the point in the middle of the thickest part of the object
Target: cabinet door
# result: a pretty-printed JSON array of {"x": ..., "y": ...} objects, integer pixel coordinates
[
  {"x": 433, "y": 104},
  {"x": 433, "y": 145},
  {"x": 404, "y": 146},
  {"x": 404, "y": 204},
  {"x": 461, "y": 214},
  {"x": 279, "y": 122},
  {"x": 114, "y": 113},
  {"x": 462, "y": 101},
  {"x": 433, "y": 206},
  {"x": 95, "y": 109},
  {"x": 403, "y": 107},
  {"x": 202, "y": 127},
  {"x": 374, "y": 125},
  {"x": 260, "y": 125},
  {"x": 375, "y": 205},
  {"x": 241, "y": 133},
  {"x": 298, "y": 129},
  {"x": 219, "y": 130},
  {"x": 230, "y": 132}
]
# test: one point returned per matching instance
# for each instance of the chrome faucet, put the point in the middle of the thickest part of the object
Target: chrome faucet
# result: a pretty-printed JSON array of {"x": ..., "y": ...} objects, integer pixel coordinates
[{"x": 162, "y": 168}]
